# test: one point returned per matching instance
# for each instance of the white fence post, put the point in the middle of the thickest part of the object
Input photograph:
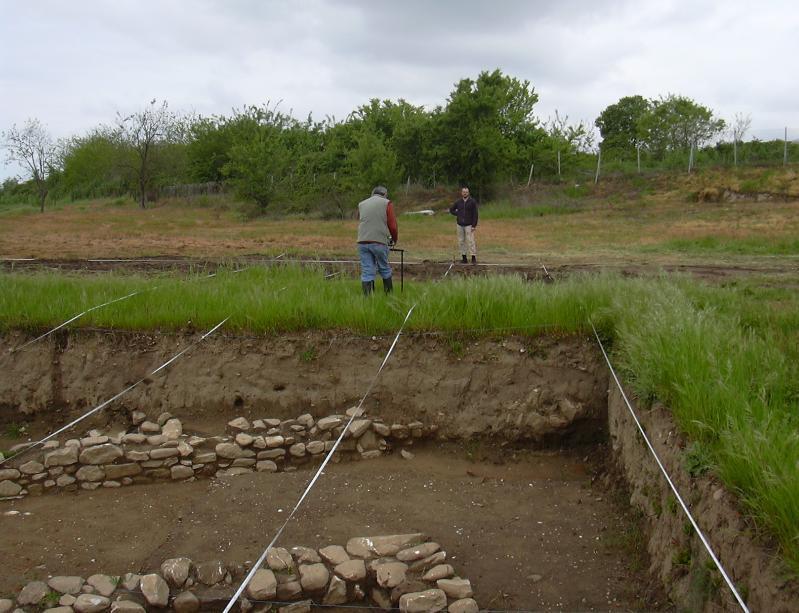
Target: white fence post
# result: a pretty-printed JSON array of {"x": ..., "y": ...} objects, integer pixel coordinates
[
  {"x": 598, "y": 165},
  {"x": 530, "y": 176}
]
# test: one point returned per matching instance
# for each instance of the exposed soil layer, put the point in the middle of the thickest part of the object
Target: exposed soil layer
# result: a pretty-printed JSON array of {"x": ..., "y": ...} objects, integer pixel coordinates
[
  {"x": 532, "y": 532},
  {"x": 412, "y": 270},
  {"x": 677, "y": 556},
  {"x": 541, "y": 390},
  {"x": 531, "y": 529}
]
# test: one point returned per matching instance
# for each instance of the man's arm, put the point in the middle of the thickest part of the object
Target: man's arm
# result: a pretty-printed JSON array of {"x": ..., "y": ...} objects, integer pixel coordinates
[
  {"x": 474, "y": 224},
  {"x": 453, "y": 210},
  {"x": 391, "y": 221}
]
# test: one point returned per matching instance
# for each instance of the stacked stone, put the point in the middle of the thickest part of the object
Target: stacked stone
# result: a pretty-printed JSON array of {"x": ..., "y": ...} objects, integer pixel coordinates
[
  {"x": 401, "y": 570},
  {"x": 160, "y": 450}
]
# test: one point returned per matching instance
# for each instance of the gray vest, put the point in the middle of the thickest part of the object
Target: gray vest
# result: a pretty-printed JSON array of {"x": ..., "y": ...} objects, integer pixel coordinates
[{"x": 373, "y": 226}]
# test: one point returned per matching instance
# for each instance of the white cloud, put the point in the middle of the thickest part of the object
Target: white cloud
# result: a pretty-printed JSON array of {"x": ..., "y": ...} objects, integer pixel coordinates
[{"x": 74, "y": 65}]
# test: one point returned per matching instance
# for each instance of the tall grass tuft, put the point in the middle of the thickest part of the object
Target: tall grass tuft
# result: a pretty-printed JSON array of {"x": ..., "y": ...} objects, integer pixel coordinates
[{"x": 724, "y": 359}]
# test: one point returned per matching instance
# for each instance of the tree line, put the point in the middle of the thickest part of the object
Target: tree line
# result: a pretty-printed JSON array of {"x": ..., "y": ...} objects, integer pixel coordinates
[{"x": 486, "y": 134}]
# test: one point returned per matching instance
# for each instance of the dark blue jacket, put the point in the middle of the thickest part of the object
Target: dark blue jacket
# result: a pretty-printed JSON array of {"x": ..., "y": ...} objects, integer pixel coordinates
[{"x": 465, "y": 211}]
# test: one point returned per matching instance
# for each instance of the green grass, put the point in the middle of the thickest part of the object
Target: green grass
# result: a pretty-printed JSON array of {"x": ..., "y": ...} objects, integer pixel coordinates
[
  {"x": 725, "y": 359},
  {"x": 738, "y": 246}
]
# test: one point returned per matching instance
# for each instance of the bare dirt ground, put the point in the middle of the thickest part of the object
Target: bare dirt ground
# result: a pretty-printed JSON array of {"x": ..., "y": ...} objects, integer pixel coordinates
[
  {"x": 532, "y": 529},
  {"x": 411, "y": 270},
  {"x": 502, "y": 524}
]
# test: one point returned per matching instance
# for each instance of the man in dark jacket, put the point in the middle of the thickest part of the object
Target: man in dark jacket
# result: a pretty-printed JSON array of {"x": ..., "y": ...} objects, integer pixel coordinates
[
  {"x": 377, "y": 224},
  {"x": 465, "y": 209}
]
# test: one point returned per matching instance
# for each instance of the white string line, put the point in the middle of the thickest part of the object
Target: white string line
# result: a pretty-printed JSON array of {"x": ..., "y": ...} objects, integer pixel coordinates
[
  {"x": 665, "y": 474},
  {"x": 448, "y": 269},
  {"x": 99, "y": 306},
  {"x": 110, "y": 400},
  {"x": 78, "y": 316},
  {"x": 312, "y": 482}
]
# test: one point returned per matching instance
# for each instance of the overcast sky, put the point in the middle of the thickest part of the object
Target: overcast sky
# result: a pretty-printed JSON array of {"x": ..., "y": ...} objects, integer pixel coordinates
[{"x": 73, "y": 65}]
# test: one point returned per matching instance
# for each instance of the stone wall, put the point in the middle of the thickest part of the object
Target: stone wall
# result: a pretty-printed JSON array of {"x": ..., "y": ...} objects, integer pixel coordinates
[
  {"x": 402, "y": 570},
  {"x": 161, "y": 450}
]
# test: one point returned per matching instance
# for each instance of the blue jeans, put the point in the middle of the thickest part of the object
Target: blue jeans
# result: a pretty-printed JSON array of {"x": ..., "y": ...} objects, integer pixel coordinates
[{"x": 374, "y": 256}]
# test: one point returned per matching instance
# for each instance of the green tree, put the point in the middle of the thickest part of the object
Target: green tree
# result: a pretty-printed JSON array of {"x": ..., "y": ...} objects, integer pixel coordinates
[
  {"x": 95, "y": 165},
  {"x": 150, "y": 136},
  {"x": 259, "y": 159},
  {"x": 487, "y": 130},
  {"x": 371, "y": 162},
  {"x": 676, "y": 123},
  {"x": 619, "y": 124},
  {"x": 32, "y": 147}
]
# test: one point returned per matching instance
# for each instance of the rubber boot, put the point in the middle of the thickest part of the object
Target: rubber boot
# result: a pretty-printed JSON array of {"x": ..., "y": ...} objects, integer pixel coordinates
[
  {"x": 463, "y": 259},
  {"x": 474, "y": 259},
  {"x": 388, "y": 285},
  {"x": 367, "y": 287}
]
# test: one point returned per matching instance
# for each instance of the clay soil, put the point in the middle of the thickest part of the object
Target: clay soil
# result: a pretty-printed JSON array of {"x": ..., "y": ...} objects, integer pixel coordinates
[{"x": 533, "y": 532}]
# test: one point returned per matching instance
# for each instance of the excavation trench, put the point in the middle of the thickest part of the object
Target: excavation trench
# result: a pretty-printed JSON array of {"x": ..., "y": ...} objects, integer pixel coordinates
[{"x": 515, "y": 469}]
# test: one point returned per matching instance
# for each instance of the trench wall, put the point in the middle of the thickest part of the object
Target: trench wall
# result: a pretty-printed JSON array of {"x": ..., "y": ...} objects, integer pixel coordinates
[
  {"x": 542, "y": 390},
  {"x": 677, "y": 557}
]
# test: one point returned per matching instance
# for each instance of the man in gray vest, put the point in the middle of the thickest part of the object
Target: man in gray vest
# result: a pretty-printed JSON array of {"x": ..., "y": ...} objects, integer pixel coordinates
[{"x": 376, "y": 231}]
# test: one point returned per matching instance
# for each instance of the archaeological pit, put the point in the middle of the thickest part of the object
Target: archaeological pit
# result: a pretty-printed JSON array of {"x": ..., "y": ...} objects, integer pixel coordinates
[{"x": 483, "y": 473}]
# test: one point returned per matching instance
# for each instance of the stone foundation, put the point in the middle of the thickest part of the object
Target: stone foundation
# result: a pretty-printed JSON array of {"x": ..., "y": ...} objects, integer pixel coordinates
[
  {"x": 405, "y": 571},
  {"x": 160, "y": 450}
]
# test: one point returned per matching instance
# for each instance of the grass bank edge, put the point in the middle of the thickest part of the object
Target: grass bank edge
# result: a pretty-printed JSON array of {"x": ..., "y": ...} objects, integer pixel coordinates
[{"x": 727, "y": 373}]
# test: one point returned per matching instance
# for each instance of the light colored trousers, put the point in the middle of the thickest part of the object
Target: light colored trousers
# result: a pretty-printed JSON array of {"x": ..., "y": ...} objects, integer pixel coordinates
[{"x": 466, "y": 240}]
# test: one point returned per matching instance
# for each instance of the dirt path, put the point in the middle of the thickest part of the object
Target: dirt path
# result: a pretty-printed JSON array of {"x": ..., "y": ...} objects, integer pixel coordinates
[
  {"x": 501, "y": 525},
  {"x": 412, "y": 270}
]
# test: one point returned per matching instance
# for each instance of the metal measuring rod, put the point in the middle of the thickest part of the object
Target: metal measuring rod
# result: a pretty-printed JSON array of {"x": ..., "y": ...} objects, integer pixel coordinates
[{"x": 402, "y": 265}]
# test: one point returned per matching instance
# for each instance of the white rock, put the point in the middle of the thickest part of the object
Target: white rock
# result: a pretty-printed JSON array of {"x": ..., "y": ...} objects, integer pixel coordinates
[
  {"x": 464, "y": 605},
  {"x": 359, "y": 426},
  {"x": 240, "y": 423},
  {"x": 244, "y": 440},
  {"x": 31, "y": 468},
  {"x": 90, "y": 473},
  {"x": 149, "y": 427},
  {"x": 103, "y": 584},
  {"x": 100, "y": 454},
  {"x": 391, "y": 574},
  {"x": 176, "y": 570},
  {"x": 33, "y": 593},
  {"x": 313, "y": 577},
  {"x": 417, "y": 553},
  {"x": 65, "y": 456},
  {"x": 66, "y": 585},
  {"x": 456, "y": 588},
  {"x": 91, "y": 603},
  {"x": 229, "y": 451},
  {"x": 263, "y": 585},
  {"x": 155, "y": 590},
  {"x": 440, "y": 571},
  {"x": 180, "y": 472},
  {"x": 9, "y": 488},
  {"x": 279, "y": 559},
  {"x": 334, "y": 554},
  {"x": 380, "y": 546},
  {"x": 336, "y": 592},
  {"x": 428, "y": 601},
  {"x": 172, "y": 429},
  {"x": 275, "y": 441},
  {"x": 186, "y": 602},
  {"x": 351, "y": 570},
  {"x": 266, "y": 466}
]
